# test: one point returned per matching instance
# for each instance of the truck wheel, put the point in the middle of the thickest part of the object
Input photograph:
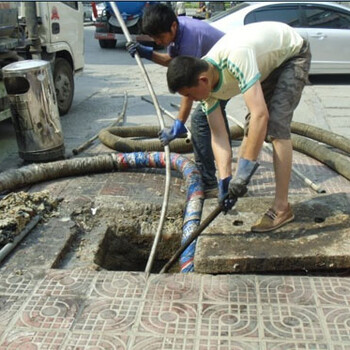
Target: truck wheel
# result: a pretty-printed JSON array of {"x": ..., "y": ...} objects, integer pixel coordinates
[
  {"x": 64, "y": 85},
  {"x": 107, "y": 44}
]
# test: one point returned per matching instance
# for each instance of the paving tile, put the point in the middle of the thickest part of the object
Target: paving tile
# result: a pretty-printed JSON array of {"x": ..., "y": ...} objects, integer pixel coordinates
[
  {"x": 28, "y": 339},
  {"x": 65, "y": 283},
  {"x": 107, "y": 315},
  {"x": 292, "y": 323},
  {"x": 169, "y": 318},
  {"x": 85, "y": 186},
  {"x": 17, "y": 282},
  {"x": 184, "y": 287},
  {"x": 337, "y": 320},
  {"x": 56, "y": 187},
  {"x": 112, "y": 284},
  {"x": 9, "y": 307},
  {"x": 292, "y": 290},
  {"x": 340, "y": 346},
  {"x": 296, "y": 346},
  {"x": 229, "y": 321},
  {"x": 332, "y": 290},
  {"x": 49, "y": 313},
  {"x": 226, "y": 344},
  {"x": 77, "y": 341},
  {"x": 148, "y": 342},
  {"x": 229, "y": 288}
]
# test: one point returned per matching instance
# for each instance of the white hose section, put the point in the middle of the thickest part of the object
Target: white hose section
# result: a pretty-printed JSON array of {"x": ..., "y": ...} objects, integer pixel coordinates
[{"x": 166, "y": 148}]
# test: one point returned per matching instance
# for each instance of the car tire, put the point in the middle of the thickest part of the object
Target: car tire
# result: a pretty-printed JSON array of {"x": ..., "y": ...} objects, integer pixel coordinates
[
  {"x": 64, "y": 85},
  {"x": 107, "y": 44}
]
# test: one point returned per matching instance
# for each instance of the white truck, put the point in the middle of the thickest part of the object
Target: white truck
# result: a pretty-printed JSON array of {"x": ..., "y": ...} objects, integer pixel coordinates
[{"x": 52, "y": 31}]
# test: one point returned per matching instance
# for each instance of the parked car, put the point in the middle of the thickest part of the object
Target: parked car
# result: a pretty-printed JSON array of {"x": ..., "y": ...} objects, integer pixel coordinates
[{"x": 326, "y": 25}]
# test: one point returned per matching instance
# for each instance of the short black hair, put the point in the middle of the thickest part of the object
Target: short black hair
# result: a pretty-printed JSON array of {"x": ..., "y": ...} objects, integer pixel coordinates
[
  {"x": 158, "y": 19},
  {"x": 183, "y": 71}
]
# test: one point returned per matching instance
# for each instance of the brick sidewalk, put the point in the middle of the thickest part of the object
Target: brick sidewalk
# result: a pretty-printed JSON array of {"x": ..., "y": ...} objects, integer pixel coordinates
[{"x": 81, "y": 308}]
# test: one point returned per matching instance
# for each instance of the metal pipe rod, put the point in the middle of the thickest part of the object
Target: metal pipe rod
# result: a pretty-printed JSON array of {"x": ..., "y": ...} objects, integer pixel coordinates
[
  {"x": 166, "y": 148},
  {"x": 9, "y": 246}
]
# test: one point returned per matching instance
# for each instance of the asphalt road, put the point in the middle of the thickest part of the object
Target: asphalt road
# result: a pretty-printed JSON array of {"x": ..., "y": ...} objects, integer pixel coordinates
[{"x": 109, "y": 74}]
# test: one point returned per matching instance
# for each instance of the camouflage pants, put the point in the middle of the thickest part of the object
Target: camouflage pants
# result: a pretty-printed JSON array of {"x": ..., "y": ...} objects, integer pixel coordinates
[{"x": 282, "y": 91}]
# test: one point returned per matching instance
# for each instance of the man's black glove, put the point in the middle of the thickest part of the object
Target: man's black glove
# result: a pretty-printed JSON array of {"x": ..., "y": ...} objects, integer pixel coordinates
[
  {"x": 238, "y": 185},
  {"x": 225, "y": 201},
  {"x": 142, "y": 50}
]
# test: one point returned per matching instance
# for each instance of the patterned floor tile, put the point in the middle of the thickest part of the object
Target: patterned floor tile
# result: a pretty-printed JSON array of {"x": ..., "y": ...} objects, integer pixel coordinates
[
  {"x": 17, "y": 283},
  {"x": 186, "y": 287},
  {"x": 169, "y": 318},
  {"x": 296, "y": 346},
  {"x": 107, "y": 315},
  {"x": 55, "y": 187},
  {"x": 229, "y": 320},
  {"x": 9, "y": 306},
  {"x": 65, "y": 283},
  {"x": 97, "y": 341},
  {"x": 111, "y": 284},
  {"x": 32, "y": 340},
  {"x": 333, "y": 291},
  {"x": 49, "y": 313},
  {"x": 292, "y": 323},
  {"x": 338, "y": 323},
  {"x": 226, "y": 344},
  {"x": 340, "y": 346},
  {"x": 286, "y": 290},
  {"x": 229, "y": 288},
  {"x": 163, "y": 343}
]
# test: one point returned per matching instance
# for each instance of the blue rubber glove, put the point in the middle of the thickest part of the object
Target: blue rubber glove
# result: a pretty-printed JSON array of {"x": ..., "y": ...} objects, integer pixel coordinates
[
  {"x": 143, "y": 51},
  {"x": 238, "y": 185},
  {"x": 224, "y": 199},
  {"x": 168, "y": 134}
]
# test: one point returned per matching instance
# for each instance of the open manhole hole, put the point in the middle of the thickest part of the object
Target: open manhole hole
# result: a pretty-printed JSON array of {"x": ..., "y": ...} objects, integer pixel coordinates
[{"x": 127, "y": 242}]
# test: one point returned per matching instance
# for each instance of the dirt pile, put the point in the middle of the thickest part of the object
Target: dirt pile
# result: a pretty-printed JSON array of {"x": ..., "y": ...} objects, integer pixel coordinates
[{"x": 18, "y": 208}]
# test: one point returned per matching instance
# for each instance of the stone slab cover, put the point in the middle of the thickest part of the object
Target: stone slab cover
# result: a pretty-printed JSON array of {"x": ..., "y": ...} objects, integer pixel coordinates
[{"x": 318, "y": 238}]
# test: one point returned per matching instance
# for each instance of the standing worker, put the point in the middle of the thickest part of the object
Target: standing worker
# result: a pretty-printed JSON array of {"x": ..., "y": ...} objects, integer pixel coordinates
[
  {"x": 192, "y": 37},
  {"x": 267, "y": 62}
]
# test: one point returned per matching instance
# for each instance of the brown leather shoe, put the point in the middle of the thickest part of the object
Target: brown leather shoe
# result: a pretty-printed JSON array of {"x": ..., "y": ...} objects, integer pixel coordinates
[{"x": 272, "y": 221}]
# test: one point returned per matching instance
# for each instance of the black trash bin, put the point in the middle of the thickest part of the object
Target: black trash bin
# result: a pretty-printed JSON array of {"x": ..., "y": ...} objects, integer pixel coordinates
[{"x": 31, "y": 92}]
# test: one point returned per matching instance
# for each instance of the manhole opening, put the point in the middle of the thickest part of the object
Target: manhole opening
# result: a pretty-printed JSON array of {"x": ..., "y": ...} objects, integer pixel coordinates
[
  {"x": 128, "y": 240},
  {"x": 130, "y": 253}
]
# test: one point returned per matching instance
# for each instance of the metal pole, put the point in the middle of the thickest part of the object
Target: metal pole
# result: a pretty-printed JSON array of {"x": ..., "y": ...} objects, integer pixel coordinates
[
  {"x": 166, "y": 148},
  {"x": 10, "y": 246}
]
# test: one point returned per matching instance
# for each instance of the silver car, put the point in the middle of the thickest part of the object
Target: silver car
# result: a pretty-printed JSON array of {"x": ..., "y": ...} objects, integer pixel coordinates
[{"x": 326, "y": 25}]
